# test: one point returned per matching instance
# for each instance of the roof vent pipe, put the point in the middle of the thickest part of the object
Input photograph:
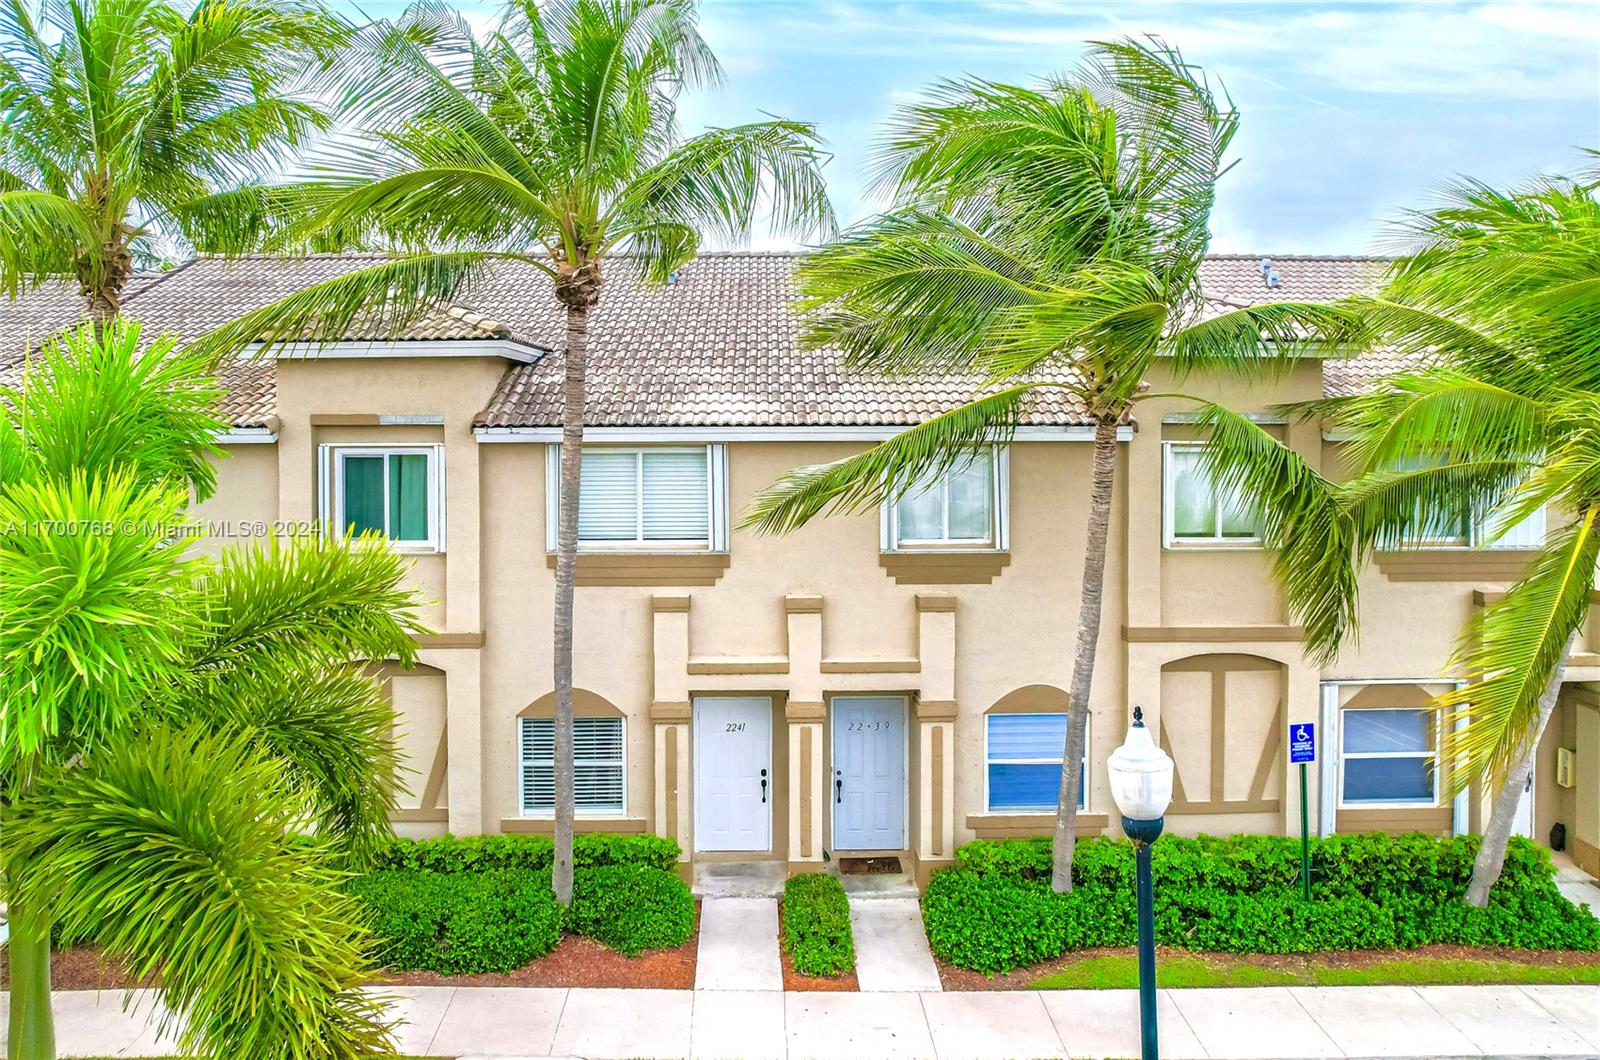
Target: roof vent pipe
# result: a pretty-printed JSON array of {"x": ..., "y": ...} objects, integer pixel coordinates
[{"x": 1269, "y": 274}]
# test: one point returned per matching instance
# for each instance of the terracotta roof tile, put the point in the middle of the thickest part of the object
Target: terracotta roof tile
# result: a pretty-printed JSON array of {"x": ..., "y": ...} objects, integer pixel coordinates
[{"x": 717, "y": 347}]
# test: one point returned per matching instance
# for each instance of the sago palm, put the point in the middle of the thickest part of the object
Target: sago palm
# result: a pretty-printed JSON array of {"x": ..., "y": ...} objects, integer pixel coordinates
[
  {"x": 128, "y": 126},
  {"x": 550, "y": 143},
  {"x": 1497, "y": 308},
  {"x": 170, "y": 722},
  {"x": 1044, "y": 239}
]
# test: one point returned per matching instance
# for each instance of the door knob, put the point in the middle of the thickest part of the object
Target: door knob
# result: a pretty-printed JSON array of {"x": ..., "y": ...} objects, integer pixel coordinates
[
  {"x": 838, "y": 786},
  {"x": 763, "y": 785}
]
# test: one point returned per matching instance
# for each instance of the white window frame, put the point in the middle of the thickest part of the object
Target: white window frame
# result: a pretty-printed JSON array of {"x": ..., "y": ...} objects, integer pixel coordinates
[
  {"x": 522, "y": 775},
  {"x": 330, "y": 489},
  {"x": 1478, "y": 539},
  {"x": 1392, "y": 804},
  {"x": 1088, "y": 742},
  {"x": 1169, "y": 536},
  {"x": 716, "y": 501},
  {"x": 999, "y": 539}
]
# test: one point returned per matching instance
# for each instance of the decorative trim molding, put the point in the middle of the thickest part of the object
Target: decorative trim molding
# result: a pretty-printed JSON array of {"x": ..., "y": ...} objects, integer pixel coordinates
[
  {"x": 1027, "y": 825},
  {"x": 584, "y": 704},
  {"x": 1223, "y": 806},
  {"x": 344, "y": 419},
  {"x": 1210, "y": 634},
  {"x": 669, "y": 604},
  {"x": 1395, "y": 821},
  {"x": 805, "y": 710},
  {"x": 448, "y": 640},
  {"x": 935, "y": 602},
  {"x": 1454, "y": 565},
  {"x": 671, "y": 711},
  {"x": 935, "y": 709},
  {"x": 953, "y": 567},
  {"x": 510, "y": 349},
  {"x": 788, "y": 433},
  {"x": 647, "y": 568},
  {"x": 871, "y": 666},
  {"x": 705, "y": 667},
  {"x": 802, "y": 604},
  {"x": 547, "y": 825},
  {"x": 405, "y": 816},
  {"x": 1033, "y": 699}
]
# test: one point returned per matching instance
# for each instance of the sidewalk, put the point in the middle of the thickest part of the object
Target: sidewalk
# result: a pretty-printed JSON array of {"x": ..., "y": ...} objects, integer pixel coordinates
[{"x": 1265, "y": 1022}]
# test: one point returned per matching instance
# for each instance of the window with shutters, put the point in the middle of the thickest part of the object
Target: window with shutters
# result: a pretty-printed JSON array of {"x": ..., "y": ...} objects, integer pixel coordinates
[
  {"x": 396, "y": 491},
  {"x": 645, "y": 499},
  {"x": 961, "y": 509},
  {"x": 1022, "y": 760},
  {"x": 599, "y": 765}
]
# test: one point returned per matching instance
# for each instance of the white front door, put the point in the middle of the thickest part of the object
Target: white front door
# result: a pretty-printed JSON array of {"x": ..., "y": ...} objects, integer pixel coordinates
[
  {"x": 869, "y": 773},
  {"x": 732, "y": 773}
]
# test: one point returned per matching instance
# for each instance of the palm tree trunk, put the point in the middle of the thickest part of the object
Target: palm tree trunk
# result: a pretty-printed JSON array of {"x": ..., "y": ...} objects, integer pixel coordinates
[
  {"x": 566, "y": 575},
  {"x": 1089, "y": 607},
  {"x": 31, "y": 1026},
  {"x": 1497, "y": 832}
]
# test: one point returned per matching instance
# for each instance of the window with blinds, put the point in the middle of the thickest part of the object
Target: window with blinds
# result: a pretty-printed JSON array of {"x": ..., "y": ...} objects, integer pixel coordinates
[
  {"x": 645, "y": 498},
  {"x": 599, "y": 766},
  {"x": 1022, "y": 762}
]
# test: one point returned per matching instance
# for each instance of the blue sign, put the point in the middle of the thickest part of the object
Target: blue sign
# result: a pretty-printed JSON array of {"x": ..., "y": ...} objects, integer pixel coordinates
[{"x": 1302, "y": 742}]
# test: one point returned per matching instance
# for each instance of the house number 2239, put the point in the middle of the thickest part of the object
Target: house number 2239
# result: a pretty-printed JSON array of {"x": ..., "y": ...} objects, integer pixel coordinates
[
  {"x": 735, "y": 726},
  {"x": 867, "y": 726}
]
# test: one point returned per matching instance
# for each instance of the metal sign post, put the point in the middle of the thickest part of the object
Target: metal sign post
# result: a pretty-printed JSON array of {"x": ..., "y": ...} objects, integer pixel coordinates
[{"x": 1302, "y": 752}]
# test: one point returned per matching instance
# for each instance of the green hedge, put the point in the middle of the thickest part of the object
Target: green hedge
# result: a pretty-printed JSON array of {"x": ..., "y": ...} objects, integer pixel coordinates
[
  {"x": 481, "y": 853},
  {"x": 994, "y": 910},
  {"x": 816, "y": 925},
  {"x": 631, "y": 908},
  {"x": 484, "y": 904},
  {"x": 460, "y": 923}
]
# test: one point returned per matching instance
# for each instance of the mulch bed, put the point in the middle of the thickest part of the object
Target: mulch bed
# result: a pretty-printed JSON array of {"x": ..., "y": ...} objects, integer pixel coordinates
[
  {"x": 793, "y": 980},
  {"x": 955, "y": 978},
  {"x": 574, "y": 962}
]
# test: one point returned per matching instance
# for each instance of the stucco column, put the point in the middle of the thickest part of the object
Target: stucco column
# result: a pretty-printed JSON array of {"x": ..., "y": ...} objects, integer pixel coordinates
[
  {"x": 670, "y": 715},
  {"x": 1303, "y": 693},
  {"x": 463, "y": 545},
  {"x": 808, "y": 788},
  {"x": 1584, "y": 841},
  {"x": 935, "y": 779},
  {"x": 463, "y": 737}
]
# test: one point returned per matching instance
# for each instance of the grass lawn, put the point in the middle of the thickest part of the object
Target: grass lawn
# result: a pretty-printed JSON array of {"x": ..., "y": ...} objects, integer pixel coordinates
[{"x": 1104, "y": 972}]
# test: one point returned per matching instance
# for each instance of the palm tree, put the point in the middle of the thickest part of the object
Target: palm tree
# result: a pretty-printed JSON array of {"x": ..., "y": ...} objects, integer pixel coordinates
[
  {"x": 170, "y": 723},
  {"x": 1497, "y": 309},
  {"x": 1043, "y": 239},
  {"x": 552, "y": 143},
  {"x": 129, "y": 125}
]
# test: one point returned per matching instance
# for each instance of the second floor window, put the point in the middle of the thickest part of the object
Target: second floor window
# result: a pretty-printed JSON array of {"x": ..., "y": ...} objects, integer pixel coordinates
[
  {"x": 645, "y": 498},
  {"x": 1195, "y": 511},
  {"x": 961, "y": 509},
  {"x": 393, "y": 490}
]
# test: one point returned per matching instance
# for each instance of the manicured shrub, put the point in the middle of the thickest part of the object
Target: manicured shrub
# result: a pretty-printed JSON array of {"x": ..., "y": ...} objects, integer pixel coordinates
[
  {"x": 995, "y": 911},
  {"x": 816, "y": 925},
  {"x": 460, "y": 923},
  {"x": 631, "y": 908},
  {"x": 481, "y": 853}
]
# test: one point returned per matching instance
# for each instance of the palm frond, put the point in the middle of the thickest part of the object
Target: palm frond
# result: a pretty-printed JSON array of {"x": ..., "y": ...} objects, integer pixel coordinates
[
  {"x": 170, "y": 850},
  {"x": 1254, "y": 341},
  {"x": 889, "y": 469},
  {"x": 1395, "y": 509},
  {"x": 1510, "y": 650},
  {"x": 42, "y": 233},
  {"x": 1301, "y": 520}
]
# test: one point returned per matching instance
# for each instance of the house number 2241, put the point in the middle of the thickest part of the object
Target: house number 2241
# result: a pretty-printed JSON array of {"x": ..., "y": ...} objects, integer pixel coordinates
[{"x": 735, "y": 726}]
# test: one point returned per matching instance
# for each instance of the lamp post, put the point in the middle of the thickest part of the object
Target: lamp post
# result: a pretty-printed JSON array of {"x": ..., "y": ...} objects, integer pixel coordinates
[{"x": 1141, "y": 784}]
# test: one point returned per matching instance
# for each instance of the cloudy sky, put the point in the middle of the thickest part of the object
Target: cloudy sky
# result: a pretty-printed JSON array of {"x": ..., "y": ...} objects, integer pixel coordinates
[{"x": 1350, "y": 111}]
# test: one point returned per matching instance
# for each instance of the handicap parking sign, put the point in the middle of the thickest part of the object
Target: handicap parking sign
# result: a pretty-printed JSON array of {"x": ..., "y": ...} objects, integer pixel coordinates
[{"x": 1302, "y": 742}]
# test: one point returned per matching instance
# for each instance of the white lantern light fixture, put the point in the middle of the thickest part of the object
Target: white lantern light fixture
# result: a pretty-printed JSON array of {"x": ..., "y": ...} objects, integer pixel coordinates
[{"x": 1141, "y": 774}]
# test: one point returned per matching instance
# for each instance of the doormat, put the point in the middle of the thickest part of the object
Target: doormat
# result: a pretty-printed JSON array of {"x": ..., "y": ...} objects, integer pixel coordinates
[{"x": 859, "y": 866}]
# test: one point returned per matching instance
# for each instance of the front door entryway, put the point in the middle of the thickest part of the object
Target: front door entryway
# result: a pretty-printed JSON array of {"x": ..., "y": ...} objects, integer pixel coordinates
[
  {"x": 733, "y": 786},
  {"x": 868, "y": 784}
]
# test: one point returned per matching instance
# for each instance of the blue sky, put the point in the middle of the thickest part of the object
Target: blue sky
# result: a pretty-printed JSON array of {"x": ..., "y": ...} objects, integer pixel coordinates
[{"x": 1350, "y": 111}]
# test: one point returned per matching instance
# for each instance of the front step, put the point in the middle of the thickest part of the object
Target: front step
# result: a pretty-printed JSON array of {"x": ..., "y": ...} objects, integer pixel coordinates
[
  {"x": 738, "y": 879},
  {"x": 873, "y": 885}
]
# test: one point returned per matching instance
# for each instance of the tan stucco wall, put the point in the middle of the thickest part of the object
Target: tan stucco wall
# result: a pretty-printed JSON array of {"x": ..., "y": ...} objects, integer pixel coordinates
[{"x": 490, "y": 600}]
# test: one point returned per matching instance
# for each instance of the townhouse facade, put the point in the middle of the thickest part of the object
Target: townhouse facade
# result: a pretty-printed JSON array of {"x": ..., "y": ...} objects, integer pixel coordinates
[{"x": 888, "y": 684}]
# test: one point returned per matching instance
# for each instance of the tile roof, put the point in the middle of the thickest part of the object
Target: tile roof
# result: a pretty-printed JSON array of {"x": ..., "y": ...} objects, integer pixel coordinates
[{"x": 717, "y": 347}]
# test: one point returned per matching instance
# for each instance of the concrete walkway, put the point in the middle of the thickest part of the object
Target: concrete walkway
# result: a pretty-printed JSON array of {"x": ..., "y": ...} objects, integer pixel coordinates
[
  {"x": 891, "y": 946},
  {"x": 738, "y": 945},
  {"x": 1267, "y": 1022}
]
